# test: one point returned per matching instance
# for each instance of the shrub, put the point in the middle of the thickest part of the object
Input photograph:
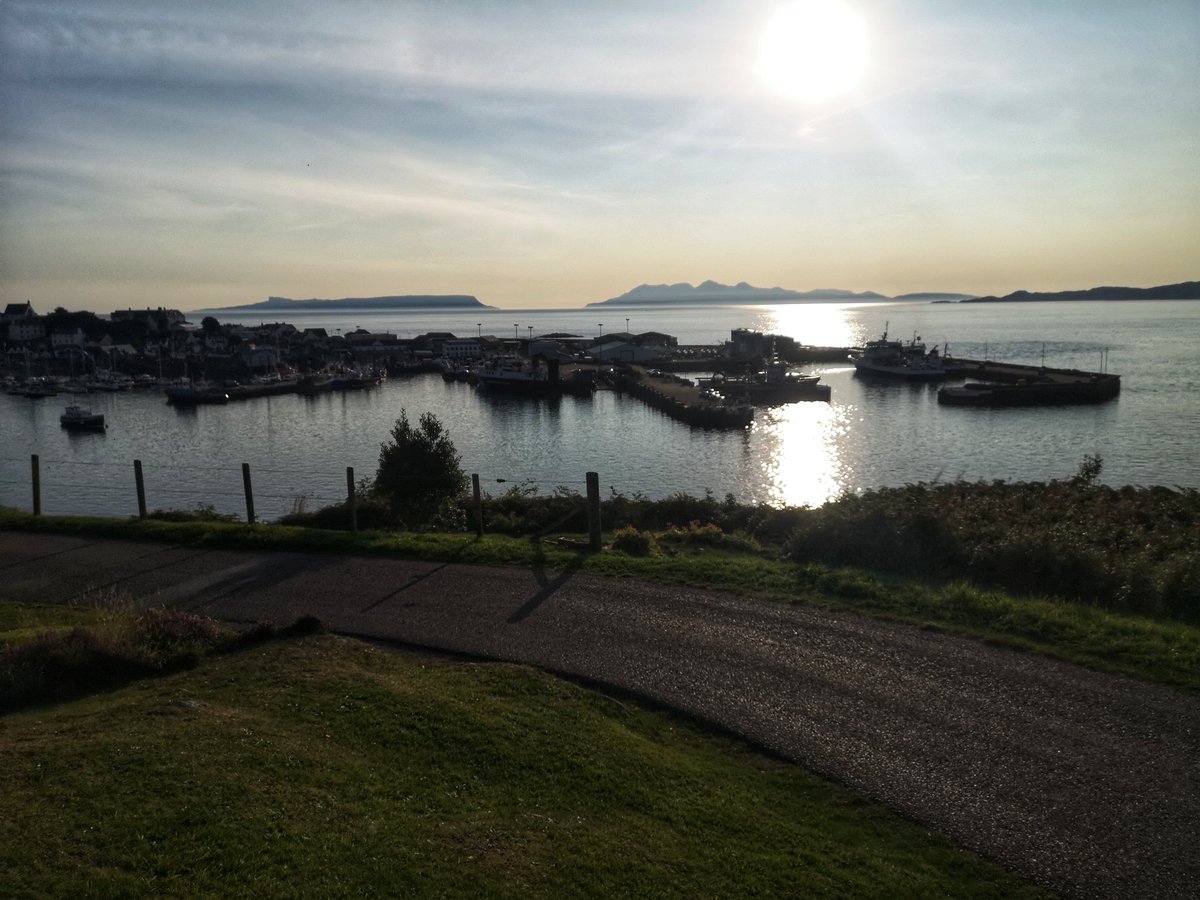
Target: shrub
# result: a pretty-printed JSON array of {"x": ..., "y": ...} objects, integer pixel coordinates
[
  {"x": 631, "y": 541},
  {"x": 205, "y": 512},
  {"x": 710, "y": 535},
  {"x": 523, "y": 509},
  {"x": 372, "y": 514},
  {"x": 420, "y": 472}
]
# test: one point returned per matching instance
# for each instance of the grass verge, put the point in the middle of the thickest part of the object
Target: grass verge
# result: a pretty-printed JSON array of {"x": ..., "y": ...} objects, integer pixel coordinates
[{"x": 322, "y": 767}]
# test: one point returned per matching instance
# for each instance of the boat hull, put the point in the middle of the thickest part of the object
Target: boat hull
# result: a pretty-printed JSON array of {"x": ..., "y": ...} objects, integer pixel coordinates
[{"x": 1099, "y": 390}]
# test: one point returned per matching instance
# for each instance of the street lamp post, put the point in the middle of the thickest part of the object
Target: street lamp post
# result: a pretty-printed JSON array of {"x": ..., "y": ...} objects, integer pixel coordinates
[
  {"x": 627, "y": 324},
  {"x": 479, "y": 329},
  {"x": 515, "y": 327},
  {"x": 531, "y": 332},
  {"x": 601, "y": 327}
]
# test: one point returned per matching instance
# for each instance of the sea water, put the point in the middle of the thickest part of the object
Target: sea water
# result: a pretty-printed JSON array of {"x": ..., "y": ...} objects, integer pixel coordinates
[{"x": 870, "y": 434}]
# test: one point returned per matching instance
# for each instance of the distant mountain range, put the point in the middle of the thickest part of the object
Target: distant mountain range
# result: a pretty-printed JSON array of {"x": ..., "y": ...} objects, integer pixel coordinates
[
  {"x": 683, "y": 294},
  {"x": 408, "y": 301},
  {"x": 713, "y": 292},
  {"x": 1186, "y": 290}
]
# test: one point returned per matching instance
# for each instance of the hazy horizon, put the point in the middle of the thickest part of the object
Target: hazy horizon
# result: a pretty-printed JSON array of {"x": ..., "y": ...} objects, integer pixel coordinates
[{"x": 551, "y": 155}]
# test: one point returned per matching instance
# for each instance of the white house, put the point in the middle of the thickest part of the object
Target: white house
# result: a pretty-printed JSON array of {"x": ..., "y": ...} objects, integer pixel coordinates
[
  {"x": 61, "y": 339},
  {"x": 26, "y": 329}
]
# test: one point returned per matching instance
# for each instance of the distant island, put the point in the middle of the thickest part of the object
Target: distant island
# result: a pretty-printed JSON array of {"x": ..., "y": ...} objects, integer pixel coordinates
[
  {"x": 408, "y": 301},
  {"x": 742, "y": 293},
  {"x": 713, "y": 292},
  {"x": 935, "y": 297},
  {"x": 1187, "y": 290}
]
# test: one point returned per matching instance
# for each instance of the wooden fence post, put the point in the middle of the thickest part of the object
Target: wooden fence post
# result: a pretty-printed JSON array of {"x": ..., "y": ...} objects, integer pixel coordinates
[
  {"x": 351, "y": 498},
  {"x": 141, "y": 488},
  {"x": 37, "y": 484},
  {"x": 595, "y": 541},
  {"x": 249, "y": 493},
  {"x": 477, "y": 498}
]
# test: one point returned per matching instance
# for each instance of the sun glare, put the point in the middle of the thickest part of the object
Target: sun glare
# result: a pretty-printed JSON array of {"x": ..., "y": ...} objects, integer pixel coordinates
[{"x": 813, "y": 50}]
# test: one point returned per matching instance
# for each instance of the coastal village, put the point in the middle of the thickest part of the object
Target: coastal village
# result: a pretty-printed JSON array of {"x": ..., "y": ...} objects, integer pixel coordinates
[{"x": 211, "y": 362}]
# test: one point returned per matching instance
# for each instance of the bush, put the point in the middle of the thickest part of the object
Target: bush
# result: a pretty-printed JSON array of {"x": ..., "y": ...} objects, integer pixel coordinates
[
  {"x": 420, "y": 472},
  {"x": 372, "y": 513},
  {"x": 205, "y": 512},
  {"x": 631, "y": 541},
  {"x": 523, "y": 509},
  {"x": 696, "y": 535}
]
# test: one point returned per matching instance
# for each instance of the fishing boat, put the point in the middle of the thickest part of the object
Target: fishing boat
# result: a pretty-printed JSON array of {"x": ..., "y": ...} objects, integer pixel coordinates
[
  {"x": 537, "y": 377},
  {"x": 77, "y": 418},
  {"x": 775, "y": 383},
  {"x": 897, "y": 359}
]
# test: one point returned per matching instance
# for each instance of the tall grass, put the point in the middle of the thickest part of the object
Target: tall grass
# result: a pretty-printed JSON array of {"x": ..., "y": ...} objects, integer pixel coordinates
[
  {"x": 1129, "y": 550},
  {"x": 116, "y": 644}
]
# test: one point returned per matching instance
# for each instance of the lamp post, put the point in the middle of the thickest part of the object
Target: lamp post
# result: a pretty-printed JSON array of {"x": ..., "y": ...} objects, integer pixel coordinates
[
  {"x": 531, "y": 332},
  {"x": 627, "y": 324},
  {"x": 478, "y": 329},
  {"x": 601, "y": 327},
  {"x": 515, "y": 327}
]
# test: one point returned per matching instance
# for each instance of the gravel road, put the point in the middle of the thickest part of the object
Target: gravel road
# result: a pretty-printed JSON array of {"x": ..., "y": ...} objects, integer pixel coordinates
[{"x": 1088, "y": 784}]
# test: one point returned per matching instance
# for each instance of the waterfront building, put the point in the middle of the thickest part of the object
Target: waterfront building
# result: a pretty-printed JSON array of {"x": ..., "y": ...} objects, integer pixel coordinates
[
  {"x": 462, "y": 348},
  {"x": 160, "y": 319}
]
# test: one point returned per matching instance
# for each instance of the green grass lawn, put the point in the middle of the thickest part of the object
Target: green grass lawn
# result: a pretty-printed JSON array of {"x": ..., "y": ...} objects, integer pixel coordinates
[{"x": 320, "y": 767}]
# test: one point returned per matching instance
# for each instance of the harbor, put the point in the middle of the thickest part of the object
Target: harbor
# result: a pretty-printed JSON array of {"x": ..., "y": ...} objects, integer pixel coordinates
[{"x": 871, "y": 431}]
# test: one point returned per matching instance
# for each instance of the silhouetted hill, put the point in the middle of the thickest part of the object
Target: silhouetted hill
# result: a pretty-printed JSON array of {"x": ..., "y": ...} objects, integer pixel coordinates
[
  {"x": 1187, "y": 290},
  {"x": 409, "y": 301},
  {"x": 713, "y": 292},
  {"x": 935, "y": 297}
]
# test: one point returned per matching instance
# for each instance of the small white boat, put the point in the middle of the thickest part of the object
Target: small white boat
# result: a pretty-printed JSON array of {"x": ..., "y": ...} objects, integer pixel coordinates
[{"x": 76, "y": 418}]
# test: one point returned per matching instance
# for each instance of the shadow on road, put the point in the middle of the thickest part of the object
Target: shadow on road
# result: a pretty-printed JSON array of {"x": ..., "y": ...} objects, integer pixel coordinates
[{"x": 548, "y": 586}]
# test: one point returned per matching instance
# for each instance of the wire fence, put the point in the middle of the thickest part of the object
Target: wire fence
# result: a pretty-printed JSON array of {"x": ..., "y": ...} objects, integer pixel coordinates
[{"x": 79, "y": 486}]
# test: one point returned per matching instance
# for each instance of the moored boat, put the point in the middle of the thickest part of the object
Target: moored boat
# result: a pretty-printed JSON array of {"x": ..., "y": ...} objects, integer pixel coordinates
[
  {"x": 77, "y": 418},
  {"x": 536, "y": 377},
  {"x": 189, "y": 393},
  {"x": 897, "y": 359},
  {"x": 1042, "y": 391}
]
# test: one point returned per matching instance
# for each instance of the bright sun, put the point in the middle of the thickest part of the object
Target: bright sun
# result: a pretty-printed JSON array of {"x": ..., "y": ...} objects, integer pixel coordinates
[{"x": 813, "y": 50}]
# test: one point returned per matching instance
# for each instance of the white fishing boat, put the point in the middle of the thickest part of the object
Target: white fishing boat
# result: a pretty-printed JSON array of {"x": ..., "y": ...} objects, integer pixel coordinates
[{"x": 897, "y": 359}]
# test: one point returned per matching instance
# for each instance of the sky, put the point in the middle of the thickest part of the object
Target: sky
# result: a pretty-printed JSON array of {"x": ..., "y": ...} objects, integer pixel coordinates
[{"x": 552, "y": 154}]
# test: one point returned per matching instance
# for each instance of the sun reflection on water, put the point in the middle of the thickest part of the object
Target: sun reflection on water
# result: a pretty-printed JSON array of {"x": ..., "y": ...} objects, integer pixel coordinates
[
  {"x": 815, "y": 324},
  {"x": 801, "y": 453},
  {"x": 800, "y": 449}
]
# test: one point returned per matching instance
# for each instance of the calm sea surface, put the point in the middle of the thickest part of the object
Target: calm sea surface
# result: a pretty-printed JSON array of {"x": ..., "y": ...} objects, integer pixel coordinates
[{"x": 871, "y": 434}]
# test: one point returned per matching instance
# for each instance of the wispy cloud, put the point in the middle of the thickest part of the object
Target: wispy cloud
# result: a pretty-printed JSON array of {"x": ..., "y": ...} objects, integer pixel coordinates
[{"x": 415, "y": 134}]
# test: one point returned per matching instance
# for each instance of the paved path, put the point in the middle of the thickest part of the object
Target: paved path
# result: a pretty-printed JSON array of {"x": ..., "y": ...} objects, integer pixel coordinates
[{"x": 1086, "y": 783}]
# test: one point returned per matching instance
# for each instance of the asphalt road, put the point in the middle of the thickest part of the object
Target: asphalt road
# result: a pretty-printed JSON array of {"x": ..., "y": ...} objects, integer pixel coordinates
[{"x": 1088, "y": 784}]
